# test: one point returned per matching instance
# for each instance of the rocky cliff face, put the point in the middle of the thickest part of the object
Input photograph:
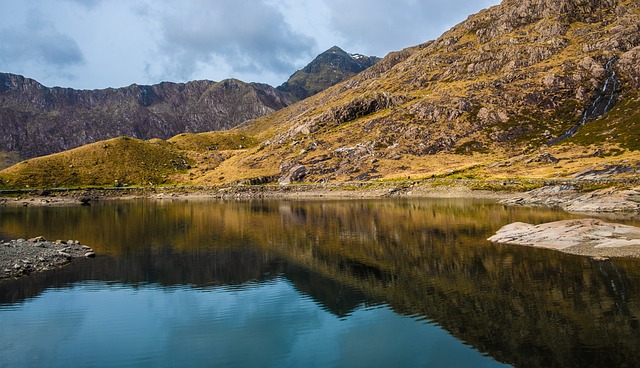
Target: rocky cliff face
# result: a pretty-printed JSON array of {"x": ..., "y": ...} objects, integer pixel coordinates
[
  {"x": 36, "y": 120},
  {"x": 329, "y": 68}
]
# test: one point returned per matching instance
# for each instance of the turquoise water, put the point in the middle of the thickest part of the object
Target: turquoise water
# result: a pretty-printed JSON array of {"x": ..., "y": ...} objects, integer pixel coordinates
[
  {"x": 270, "y": 324},
  {"x": 385, "y": 283}
]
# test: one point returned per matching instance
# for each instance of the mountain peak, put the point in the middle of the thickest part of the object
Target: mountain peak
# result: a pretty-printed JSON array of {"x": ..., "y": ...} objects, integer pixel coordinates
[
  {"x": 335, "y": 49},
  {"x": 327, "y": 69}
]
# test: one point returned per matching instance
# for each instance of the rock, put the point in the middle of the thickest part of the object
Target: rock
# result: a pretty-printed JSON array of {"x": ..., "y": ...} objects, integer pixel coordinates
[
  {"x": 38, "y": 239},
  {"x": 593, "y": 234},
  {"x": 90, "y": 255},
  {"x": 65, "y": 254},
  {"x": 296, "y": 173},
  {"x": 605, "y": 200},
  {"x": 570, "y": 199},
  {"x": 544, "y": 157}
]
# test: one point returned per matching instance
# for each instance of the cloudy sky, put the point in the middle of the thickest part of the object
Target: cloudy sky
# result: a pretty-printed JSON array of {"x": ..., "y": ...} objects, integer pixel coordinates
[{"x": 89, "y": 44}]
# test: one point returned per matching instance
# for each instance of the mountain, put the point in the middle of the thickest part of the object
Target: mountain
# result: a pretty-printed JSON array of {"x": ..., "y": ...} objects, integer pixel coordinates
[
  {"x": 36, "y": 120},
  {"x": 524, "y": 89},
  {"x": 327, "y": 69},
  {"x": 534, "y": 88}
]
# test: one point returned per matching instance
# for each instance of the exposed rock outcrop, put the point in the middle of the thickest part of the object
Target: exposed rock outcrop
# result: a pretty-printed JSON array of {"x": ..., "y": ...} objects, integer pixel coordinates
[
  {"x": 587, "y": 237},
  {"x": 570, "y": 199},
  {"x": 296, "y": 173}
]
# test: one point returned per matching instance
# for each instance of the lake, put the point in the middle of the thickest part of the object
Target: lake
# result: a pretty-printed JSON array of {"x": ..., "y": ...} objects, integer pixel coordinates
[{"x": 341, "y": 283}]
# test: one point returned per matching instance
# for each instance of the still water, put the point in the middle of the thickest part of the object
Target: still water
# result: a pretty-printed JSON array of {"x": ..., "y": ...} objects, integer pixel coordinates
[{"x": 384, "y": 283}]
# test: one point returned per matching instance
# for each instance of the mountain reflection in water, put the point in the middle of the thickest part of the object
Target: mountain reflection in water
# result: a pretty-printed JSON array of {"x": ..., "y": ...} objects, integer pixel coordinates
[{"x": 427, "y": 259}]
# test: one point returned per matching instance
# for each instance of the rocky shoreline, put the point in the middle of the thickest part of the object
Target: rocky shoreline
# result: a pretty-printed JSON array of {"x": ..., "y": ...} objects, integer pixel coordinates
[
  {"x": 571, "y": 199},
  {"x": 23, "y": 257},
  {"x": 415, "y": 189}
]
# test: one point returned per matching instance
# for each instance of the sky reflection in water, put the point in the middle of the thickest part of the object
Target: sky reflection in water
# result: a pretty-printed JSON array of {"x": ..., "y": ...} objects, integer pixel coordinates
[{"x": 268, "y": 324}]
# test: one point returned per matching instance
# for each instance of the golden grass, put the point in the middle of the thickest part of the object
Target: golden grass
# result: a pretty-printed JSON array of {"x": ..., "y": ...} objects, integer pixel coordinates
[{"x": 118, "y": 161}]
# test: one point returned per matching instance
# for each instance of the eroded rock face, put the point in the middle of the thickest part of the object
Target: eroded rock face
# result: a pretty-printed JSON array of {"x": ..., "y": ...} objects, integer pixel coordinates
[
  {"x": 36, "y": 120},
  {"x": 563, "y": 235},
  {"x": 629, "y": 64}
]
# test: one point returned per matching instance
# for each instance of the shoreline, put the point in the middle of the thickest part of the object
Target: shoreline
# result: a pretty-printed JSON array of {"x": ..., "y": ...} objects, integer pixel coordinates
[
  {"x": 621, "y": 201},
  {"x": 359, "y": 190}
]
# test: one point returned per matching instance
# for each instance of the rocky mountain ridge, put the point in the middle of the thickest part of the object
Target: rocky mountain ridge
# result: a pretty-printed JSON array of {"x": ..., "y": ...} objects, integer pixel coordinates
[{"x": 36, "y": 120}]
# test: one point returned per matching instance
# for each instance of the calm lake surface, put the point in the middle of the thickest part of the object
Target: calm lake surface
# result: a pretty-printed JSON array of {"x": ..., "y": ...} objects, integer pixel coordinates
[{"x": 375, "y": 283}]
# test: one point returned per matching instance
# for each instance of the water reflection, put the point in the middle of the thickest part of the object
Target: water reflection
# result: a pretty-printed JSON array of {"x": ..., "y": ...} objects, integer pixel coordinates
[
  {"x": 423, "y": 258},
  {"x": 269, "y": 324}
]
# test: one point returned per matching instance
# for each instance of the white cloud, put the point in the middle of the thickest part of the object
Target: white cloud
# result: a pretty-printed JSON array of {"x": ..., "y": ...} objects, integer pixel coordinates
[{"x": 248, "y": 37}]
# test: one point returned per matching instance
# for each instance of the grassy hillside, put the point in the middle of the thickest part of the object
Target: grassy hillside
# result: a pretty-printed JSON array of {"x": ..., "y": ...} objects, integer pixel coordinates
[{"x": 118, "y": 161}]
